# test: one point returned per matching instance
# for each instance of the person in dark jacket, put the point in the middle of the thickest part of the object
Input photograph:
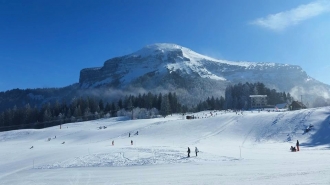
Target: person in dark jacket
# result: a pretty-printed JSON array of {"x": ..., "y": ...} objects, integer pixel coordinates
[
  {"x": 196, "y": 151},
  {"x": 297, "y": 145},
  {"x": 188, "y": 152}
]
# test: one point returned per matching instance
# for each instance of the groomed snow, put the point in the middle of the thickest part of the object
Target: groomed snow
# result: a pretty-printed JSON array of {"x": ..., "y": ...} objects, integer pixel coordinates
[{"x": 248, "y": 148}]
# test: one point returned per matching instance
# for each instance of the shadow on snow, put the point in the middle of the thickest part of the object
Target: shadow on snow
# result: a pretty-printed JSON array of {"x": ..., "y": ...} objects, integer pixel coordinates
[{"x": 322, "y": 136}]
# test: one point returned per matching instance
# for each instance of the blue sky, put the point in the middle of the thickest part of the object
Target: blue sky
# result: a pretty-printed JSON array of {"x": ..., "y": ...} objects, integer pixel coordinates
[{"x": 47, "y": 43}]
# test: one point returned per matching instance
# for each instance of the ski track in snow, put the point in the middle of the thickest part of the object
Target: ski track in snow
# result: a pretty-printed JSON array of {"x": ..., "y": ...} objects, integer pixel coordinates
[
  {"x": 134, "y": 157},
  {"x": 285, "y": 124},
  {"x": 278, "y": 118},
  {"x": 217, "y": 132}
]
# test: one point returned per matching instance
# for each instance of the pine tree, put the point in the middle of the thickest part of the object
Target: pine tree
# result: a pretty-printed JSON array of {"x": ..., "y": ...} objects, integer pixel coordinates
[
  {"x": 222, "y": 103},
  {"x": 27, "y": 114},
  {"x": 149, "y": 101},
  {"x": 46, "y": 116},
  {"x": 120, "y": 104},
  {"x": 8, "y": 117},
  {"x": 107, "y": 108},
  {"x": 165, "y": 106},
  {"x": 101, "y": 105},
  {"x": 229, "y": 98},
  {"x": 77, "y": 112},
  {"x": 113, "y": 109},
  {"x": 159, "y": 101},
  {"x": 2, "y": 121}
]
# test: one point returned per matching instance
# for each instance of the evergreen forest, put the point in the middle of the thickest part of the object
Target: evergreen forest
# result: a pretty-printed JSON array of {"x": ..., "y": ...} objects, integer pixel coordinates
[{"x": 141, "y": 106}]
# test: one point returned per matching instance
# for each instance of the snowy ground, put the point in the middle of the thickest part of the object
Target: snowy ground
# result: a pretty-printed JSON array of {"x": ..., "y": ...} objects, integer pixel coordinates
[{"x": 248, "y": 148}]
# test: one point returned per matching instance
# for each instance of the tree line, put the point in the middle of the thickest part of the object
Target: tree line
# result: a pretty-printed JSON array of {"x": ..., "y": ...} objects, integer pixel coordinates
[
  {"x": 86, "y": 108},
  {"x": 141, "y": 106}
]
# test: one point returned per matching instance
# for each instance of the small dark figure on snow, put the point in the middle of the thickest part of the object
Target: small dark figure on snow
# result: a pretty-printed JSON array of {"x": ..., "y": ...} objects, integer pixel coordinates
[
  {"x": 196, "y": 151},
  {"x": 297, "y": 145},
  {"x": 63, "y": 142},
  {"x": 131, "y": 142},
  {"x": 31, "y": 147},
  {"x": 293, "y": 149},
  {"x": 309, "y": 128},
  {"x": 129, "y": 134},
  {"x": 137, "y": 133},
  {"x": 188, "y": 152},
  {"x": 113, "y": 142}
]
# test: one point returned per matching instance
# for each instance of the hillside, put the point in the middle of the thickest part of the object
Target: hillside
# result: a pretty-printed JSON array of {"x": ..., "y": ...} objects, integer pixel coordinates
[{"x": 248, "y": 148}]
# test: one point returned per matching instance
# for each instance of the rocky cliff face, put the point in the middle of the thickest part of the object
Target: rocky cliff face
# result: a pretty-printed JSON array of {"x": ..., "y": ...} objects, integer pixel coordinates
[{"x": 172, "y": 67}]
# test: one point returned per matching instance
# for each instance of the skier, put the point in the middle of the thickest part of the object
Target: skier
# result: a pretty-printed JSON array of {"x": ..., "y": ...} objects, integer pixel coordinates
[
  {"x": 297, "y": 144},
  {"x": 129, "y": 134},
  {"x": 131, "y": 142},
  {"x": 188, "y": 152},
  {"x": 113, "y": 142},
  {"x": 196, "y": 151}
]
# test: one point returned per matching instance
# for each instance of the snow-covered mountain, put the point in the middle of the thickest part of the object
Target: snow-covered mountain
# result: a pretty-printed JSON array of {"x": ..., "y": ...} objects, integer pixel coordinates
[{"x": 170, "y": 67}]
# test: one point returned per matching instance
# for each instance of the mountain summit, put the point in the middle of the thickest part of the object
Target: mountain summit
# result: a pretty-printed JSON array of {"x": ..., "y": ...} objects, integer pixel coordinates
[
  {"x": 170, "y": 67},
  {"x": 162, "y": 68}
]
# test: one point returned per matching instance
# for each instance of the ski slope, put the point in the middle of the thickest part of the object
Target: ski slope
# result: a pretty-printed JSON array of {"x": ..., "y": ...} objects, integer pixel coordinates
[{"x": 246, "y": 148}]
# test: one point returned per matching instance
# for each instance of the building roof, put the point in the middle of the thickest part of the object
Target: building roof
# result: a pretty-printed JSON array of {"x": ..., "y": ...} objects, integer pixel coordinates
[
  {"x": 281, "y": 106},
  {"x": 255, "y": 96},
  {"x": 297, "y": 104}
]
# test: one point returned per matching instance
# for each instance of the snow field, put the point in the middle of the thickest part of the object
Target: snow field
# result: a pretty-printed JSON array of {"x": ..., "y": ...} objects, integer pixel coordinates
[{"x": 248, "y": 148}]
